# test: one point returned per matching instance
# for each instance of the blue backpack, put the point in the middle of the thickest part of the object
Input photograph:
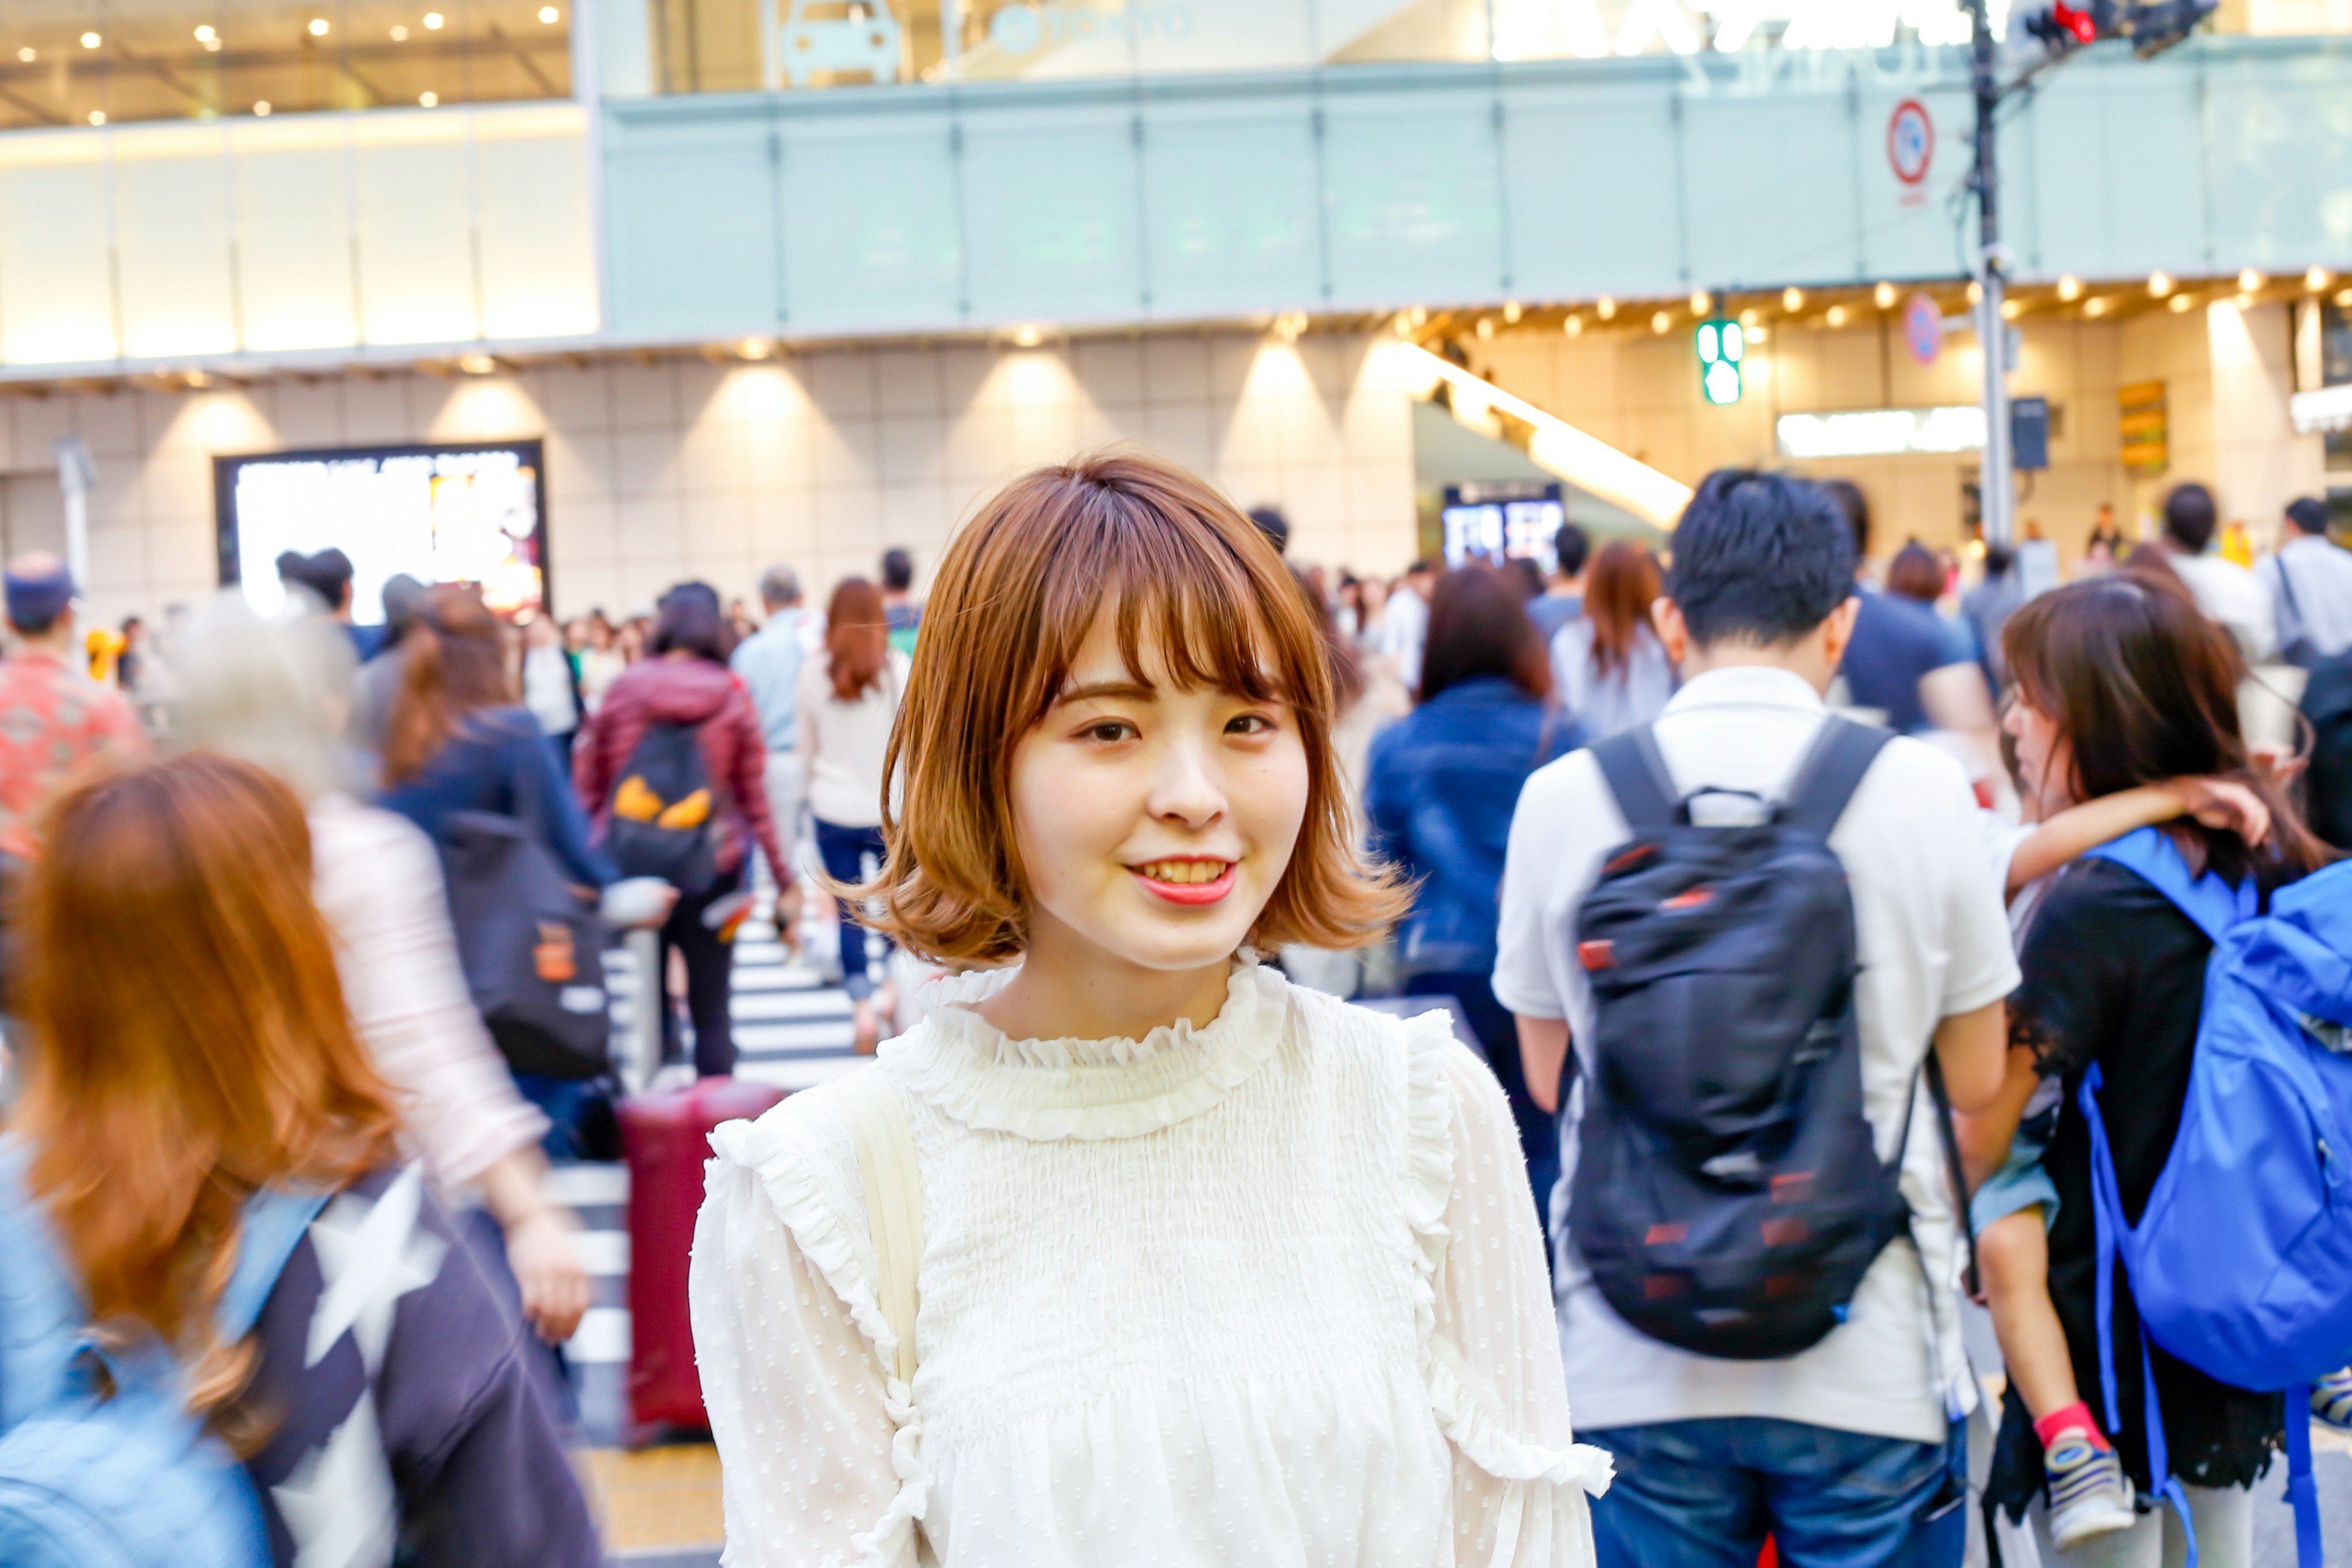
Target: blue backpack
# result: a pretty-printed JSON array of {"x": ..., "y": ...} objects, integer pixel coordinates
[
  {"x": 134, "y": 1481},
  {"x": 2242, "y": 1263}
]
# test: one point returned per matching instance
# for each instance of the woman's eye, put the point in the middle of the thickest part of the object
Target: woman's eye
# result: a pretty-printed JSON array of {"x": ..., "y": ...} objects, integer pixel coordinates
[
  {"x": 1109, "y": 730},
  {"x": 1249, "y": 724}
]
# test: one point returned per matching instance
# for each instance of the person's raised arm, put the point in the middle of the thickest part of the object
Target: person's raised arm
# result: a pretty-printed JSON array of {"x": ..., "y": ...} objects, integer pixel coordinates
[{"x": 2217, "y": 803}]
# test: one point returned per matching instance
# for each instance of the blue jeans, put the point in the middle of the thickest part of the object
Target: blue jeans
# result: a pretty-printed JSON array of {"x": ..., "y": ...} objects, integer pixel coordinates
[
  {"x": 844, "y": 851},
  {"x": 1704, "y": 1494}
]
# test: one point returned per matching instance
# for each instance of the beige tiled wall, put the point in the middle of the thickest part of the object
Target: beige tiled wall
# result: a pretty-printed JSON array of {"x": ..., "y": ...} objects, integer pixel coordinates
[{"x": 684, "y": 467}]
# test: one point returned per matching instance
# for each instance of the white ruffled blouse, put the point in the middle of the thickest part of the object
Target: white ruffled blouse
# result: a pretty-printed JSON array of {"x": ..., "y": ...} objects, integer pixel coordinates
[{"x": 1269, "y": 1291}]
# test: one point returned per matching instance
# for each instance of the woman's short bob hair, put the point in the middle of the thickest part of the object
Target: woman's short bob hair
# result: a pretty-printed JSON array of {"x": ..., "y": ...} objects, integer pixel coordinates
[{"x": 1179, "y": 570}]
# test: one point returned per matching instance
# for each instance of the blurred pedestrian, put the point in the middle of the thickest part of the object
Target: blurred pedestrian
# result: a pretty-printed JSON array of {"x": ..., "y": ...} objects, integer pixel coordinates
[
  {"x": 1850, "y": 1450},
  {"x": 1443, "y": 782},
  {"x": 1274, "y": 525},
  {"x": 268, "y": 693},
  {"x": 1610, "y": 671},
  {"x": 905, "y": 615},
  {"x": 1564, "y": 597},
  {"x": 686, "y": 690},
  {"x": 1405, "y": 621},
  {"x": 629, "y": 641},
  {"x": 601, "y": 662},
  {"x": 376, "y": 684},
  {"x": 550, "y": 688},
  {"x": 2310, "y": 584},
  {"x": 1987, "y": 607},
  {"x": 1274, "y": 1246},
  {"x": 58, "y": 716},
  {"x": 2121, "y": 683},
  {"x": 849, "y": 695},
  {"x": 2230, "y": 594},
  {"x": 384, "y": 1396},
  {"x": 768, "y": 663},
  {"x": 326, "y": 577},
  {"x": 127, "y": 658}
]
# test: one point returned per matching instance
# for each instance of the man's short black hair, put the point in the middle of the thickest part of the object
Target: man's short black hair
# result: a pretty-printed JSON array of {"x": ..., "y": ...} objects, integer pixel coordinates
[
  {"x": 327, "y": 574},
  {"x": 1856, "y": 508},
  {"x": 1760, "y": 558},
  {"x": 2308, "y": 513},
  {"x": 1274, "y": 525},
  {"x": 898, "y": 571},
  {"x": 1998, "y": 559},
  {"x": 1573, "y": 546},
  {"x": 2188, "y": 516}
]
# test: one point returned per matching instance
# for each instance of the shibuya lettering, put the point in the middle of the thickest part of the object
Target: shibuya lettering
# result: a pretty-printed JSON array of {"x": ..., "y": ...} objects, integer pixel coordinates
[
  {"x": 1025, "y": 30},
  {"x": 1592, "y": 28}
]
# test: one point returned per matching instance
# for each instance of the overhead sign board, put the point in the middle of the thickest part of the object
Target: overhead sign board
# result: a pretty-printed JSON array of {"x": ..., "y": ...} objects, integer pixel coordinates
[
  {"x": 2140, "y": 409},
  {"x": 1882, "y": 432}
]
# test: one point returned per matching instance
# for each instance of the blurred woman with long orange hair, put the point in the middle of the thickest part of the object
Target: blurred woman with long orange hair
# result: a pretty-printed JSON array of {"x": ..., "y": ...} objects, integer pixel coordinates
[
  {"x": 188, "y": 1049},
  {"x": 849, "y": 700}
]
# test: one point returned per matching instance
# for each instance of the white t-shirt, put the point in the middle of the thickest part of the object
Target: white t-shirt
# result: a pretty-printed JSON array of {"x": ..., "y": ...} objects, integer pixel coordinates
[
  {"x": 2234, "y": 596},
  {"x": 844, "y": 744},
  {"x": 1933, "y": 942}
]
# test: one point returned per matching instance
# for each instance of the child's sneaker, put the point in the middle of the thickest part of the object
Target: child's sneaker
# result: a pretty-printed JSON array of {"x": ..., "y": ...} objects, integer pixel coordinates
[
  {"x": 2331, "y": 1400},
  {"x": 2088, "y": 1493}
]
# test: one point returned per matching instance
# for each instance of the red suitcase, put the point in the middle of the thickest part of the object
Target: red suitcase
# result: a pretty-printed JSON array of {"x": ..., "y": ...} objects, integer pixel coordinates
[{"x": 665, "y": 1138}]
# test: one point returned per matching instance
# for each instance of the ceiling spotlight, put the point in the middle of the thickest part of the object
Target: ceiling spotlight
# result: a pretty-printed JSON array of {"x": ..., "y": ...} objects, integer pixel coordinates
[
  {"x": 1606, "y": 309},
  {"x": 400, "y": 35},
  {"x": 1290, "y": 326},
  {"x": 1702, "y": 303},
  {"x": 1028, "y": 336},
  {"x": 1661, "y": 322},
  {"x": 28, "y": 56},
  {"x": 1573, "y": 326},
  {"x": 1792, "y": 299},
  {"x": 549, "y": 14},
  {"x": 2181, "y": 302},
  {"x": 2316, "y": 279},
  {"x": 98, "y": 117},
  {"x": 1750, "y": 319},
  {"x": 2160, "y": 284},
  {"x": 2070, "y": 288},
  {"x": 2095, "y": 307},
  {"x": 317, "y": 26},
  {"x": 1511, "y": 313},
  {"x": 1836, "y": 317},
  {"x": 2011, "y": 309},
  {"x": 428, "y": 99},
  {"x": 1976, "y": 292},
  {"x": 91, "y": 40},
  {"x": 197, "y": 380},
  {"x": 433, "y": 20},
  {"x": 2250, "y": 281},
  {"x": 476, "y": 364},
  {"x": 204, "y": 34},
  {"x": 1883, "y": 296},
  {"x": 2343, "y": 297},
  {"x": 1420, "y": 315},
  {"x": 1486, "y": 326},
  {"x": 1755, "y": 334},
  {"x": 261, "y": 108},
  {"x": 755, "y": 348}
]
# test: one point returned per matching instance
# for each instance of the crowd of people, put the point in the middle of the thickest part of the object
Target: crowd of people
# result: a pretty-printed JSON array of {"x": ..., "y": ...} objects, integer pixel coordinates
[{"x": 1764, "y": 953}]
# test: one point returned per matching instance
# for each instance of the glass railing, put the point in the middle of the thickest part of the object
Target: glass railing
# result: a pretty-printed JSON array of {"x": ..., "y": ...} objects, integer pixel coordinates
[{"x": 68, "y": 63}]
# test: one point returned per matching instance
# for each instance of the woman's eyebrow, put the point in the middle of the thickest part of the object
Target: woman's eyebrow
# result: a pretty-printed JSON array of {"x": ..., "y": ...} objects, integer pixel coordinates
[{"x": 1093, "y": 691}]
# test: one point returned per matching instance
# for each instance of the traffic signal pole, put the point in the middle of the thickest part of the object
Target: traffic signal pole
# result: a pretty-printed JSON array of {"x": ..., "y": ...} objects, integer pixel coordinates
[{"x": 1997, "y": 485}]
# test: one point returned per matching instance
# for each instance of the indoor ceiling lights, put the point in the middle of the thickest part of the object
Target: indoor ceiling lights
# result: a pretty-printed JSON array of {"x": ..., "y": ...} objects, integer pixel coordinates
[
  {"x": 2070, "y": 288},
  {"x": 476, "y": 364},
  {"x": 1792, "y": 299},
  {"x": 2160, "y": 284},
  {"x": 2250, "y": 281},
  {"x": 1606, "y": 309},
  {"x": 1883, "y": 296}
]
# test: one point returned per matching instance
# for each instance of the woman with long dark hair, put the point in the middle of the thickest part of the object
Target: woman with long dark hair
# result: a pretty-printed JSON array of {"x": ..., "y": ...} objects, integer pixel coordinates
[
  {"x": 1444, "y": 781},
  {"x": 194, "y": 1081},
  {"x": 1611, "y": 671},
  {"x": 2121, "y": 682},
  {"x": 685, "y": 682},
  {"x": 850, "y": 690}
]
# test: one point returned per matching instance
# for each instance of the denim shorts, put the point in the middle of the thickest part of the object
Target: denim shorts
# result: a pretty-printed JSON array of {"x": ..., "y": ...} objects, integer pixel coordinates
[{"x": 2020, "y": 1184}]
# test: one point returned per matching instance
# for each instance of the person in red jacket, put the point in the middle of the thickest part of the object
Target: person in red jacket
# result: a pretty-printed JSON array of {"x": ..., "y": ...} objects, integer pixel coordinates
[{"x": 685, "y": 680}]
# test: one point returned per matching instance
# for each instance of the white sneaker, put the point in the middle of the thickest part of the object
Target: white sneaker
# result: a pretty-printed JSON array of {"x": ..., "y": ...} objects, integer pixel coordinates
[{"x": 2088, "y": 1492}]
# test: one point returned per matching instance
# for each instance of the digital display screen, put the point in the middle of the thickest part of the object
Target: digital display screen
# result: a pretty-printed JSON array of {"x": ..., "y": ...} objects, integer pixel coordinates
[
  {"x": 1499, "y": 522},
  {"x": 473, "y": 514}
]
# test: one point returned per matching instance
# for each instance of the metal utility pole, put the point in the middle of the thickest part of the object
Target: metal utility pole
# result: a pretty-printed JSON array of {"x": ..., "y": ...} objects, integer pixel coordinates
[{"x": 1997, "y": 485}]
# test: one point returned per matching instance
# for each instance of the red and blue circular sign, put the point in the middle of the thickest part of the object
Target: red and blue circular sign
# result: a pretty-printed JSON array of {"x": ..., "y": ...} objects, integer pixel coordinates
[
  {"x": 1910, "y": 141},
  {"x": 1922, "y": 328}
]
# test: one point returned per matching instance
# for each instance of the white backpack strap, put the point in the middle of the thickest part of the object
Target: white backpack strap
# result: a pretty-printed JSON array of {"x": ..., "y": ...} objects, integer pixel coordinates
[{"x": 876, "y": 1119}]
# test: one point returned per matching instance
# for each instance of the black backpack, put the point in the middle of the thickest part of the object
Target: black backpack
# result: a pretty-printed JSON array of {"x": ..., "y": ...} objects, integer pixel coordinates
[
  {"x": 533, "y": 952},
  {"x": 663, "y": 818},
  {"x": 1727, "y": 1196},
  {"x": 2327, "y": 703}
]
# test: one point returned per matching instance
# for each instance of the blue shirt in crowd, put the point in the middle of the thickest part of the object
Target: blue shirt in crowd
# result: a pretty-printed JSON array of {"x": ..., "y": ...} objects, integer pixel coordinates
[
  {"x": 1441, "y": 786},
  {"x": 769, "y": 663},
  {"x": 497, "y": 762},
  {"x": 1896, "y": 642}
]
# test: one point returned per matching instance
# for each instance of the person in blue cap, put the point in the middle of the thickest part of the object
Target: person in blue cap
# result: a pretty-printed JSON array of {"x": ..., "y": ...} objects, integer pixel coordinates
[{"x": 53, "y": 716}]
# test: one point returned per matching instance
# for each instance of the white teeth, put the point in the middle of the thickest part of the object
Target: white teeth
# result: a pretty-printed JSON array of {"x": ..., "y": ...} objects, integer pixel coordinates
[{"x": 1183, "y": 871}]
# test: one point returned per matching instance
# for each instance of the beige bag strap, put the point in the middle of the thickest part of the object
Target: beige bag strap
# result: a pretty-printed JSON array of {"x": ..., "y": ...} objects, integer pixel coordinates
[{"x": 878, "y": 1130}]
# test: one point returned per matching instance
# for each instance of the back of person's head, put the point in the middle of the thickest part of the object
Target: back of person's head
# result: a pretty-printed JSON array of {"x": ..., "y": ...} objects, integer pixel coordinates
[
  {"x": 327, "y": 575},
  {"x": 2189, "y": 516},
  {"x": 188, "y": 1038},
  {"x": 1998, "y": 559},
  {"x": 688, "y": 622},
  {"x": 898, "y": 571},
  {"x": 856, "y": 638},
  {"x": 2308, "y": 514},
  {"x": 40, "y": 593},
  {"x": 1347, "y": 663},
  {"x": 2143, "y": 688},
  {"x": 1274, "y": 525},
  {"x": 1915, "y": 574},
  {"x": 455, "y": 666},
  {"x": 1618, "y": 592},
  {"x": 1760, "y": 558},
  {"x": 1527, "y": 574},
  {"x": 1195, "y": 596},
  {"x": 780, "y": 588},
  {"x": 1478, "y": 626},
  {"x": 270, "y": 692},
  {"x": 1573, "y": 546},
  {"x": 1855, "y": 506},
  {"x": 403, "y": 596}
]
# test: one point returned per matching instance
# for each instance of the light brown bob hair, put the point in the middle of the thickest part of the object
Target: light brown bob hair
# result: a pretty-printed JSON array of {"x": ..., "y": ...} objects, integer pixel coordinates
[{"x": 1178, "y": 568}]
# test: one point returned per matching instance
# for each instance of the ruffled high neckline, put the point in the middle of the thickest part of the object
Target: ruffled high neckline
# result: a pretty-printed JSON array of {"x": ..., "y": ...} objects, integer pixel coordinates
[{"x": 1046, "y": 1091}]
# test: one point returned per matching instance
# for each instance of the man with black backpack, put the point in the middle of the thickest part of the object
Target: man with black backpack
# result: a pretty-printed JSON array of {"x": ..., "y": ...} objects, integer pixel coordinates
[{"x": 1765, "y": 929}]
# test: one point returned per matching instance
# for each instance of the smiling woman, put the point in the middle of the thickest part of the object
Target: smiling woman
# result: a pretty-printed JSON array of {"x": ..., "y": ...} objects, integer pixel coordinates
[{"x": 1205, "y": 1262}]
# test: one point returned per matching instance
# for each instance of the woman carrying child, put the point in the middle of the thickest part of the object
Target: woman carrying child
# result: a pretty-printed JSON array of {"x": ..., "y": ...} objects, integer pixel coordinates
[
  {"x": 2125, "y": 715},
  {"x": 1215, "y": 1270}
]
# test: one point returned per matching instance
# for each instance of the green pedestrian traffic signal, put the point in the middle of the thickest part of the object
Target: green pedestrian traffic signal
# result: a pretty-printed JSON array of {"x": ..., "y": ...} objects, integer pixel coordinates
[{"x": 1722, "y": 345}]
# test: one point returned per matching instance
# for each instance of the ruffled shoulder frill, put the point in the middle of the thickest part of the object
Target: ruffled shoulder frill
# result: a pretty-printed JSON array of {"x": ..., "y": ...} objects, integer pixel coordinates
[
  {"x": 800, "y": 1152},
  {"x": 1474, "y": 1431},
  {"x": 1090, "y": 1090}
]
